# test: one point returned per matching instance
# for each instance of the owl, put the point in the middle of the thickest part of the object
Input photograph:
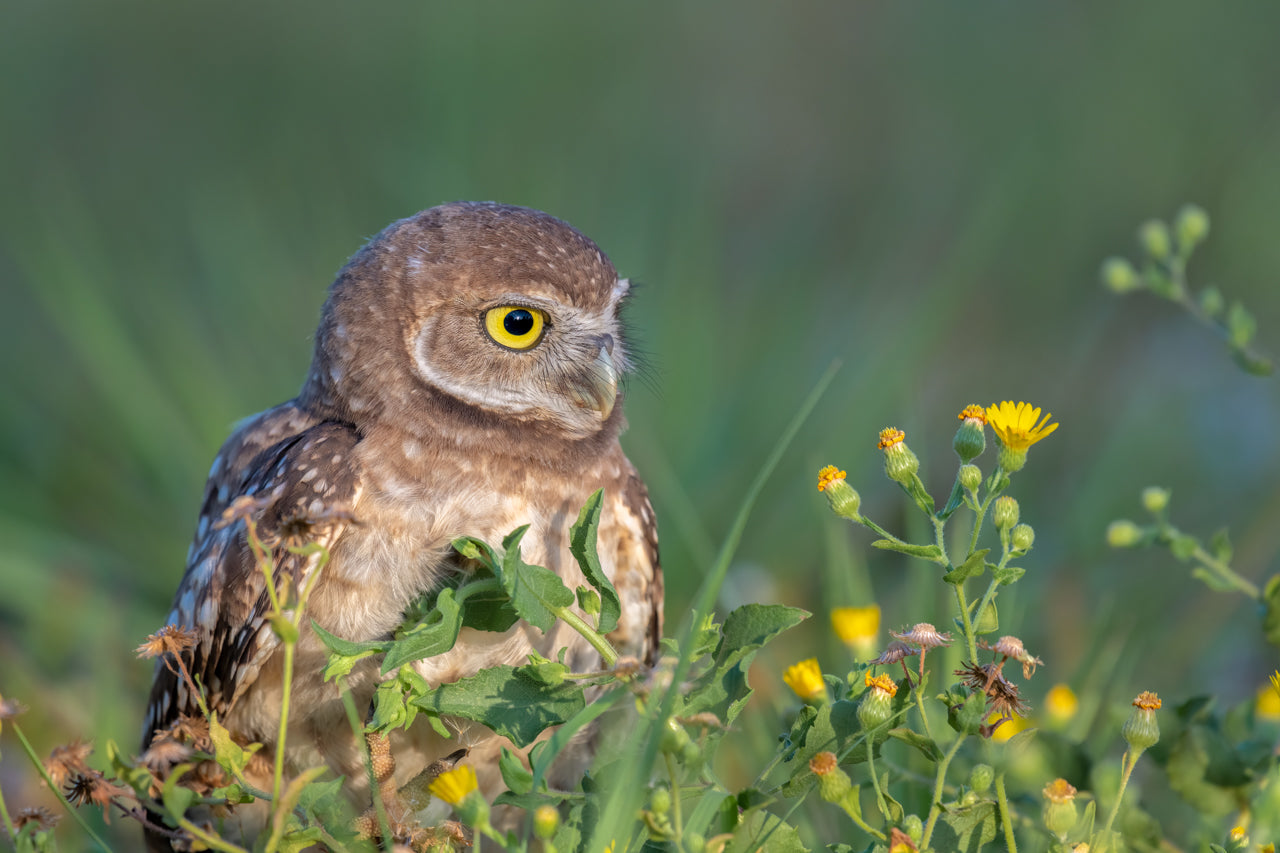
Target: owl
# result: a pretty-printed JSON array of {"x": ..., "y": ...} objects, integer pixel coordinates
[{"x": 465, "y": 382}]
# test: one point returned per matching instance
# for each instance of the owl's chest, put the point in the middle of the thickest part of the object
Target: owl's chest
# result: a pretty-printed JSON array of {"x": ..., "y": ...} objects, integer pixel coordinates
[{"x": 401, "y": 545}]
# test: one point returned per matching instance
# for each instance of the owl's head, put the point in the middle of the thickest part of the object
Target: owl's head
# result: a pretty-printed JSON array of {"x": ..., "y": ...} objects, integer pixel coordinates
[{"x": 496, "y": 313}]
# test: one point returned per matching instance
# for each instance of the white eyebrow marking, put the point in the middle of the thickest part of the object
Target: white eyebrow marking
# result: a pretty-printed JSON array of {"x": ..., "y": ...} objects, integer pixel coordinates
[{"x": 621, "y": 287}]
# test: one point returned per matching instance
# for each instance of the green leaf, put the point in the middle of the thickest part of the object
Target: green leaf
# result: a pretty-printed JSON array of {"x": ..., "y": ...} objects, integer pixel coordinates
[
  {"x": 834, "y": 727},
  {"x": 536, "y": 593},
  {"x": 582, "y": 544},
  {"x": 967, "y": 828},
  {"x": 507, "y": 700},
  {"x": 485, "y": 605},
  {"x": 474, "y": 549},
  {"x": 339, "y": 646},
  {"x": 926, "y": 745},
  {"x": 176, "y": 798},
  {"x": 1183, "y": 546},
  {"x": 924, "y": 552},
  {"x": 515, "y": 776},
  {"x": 230, "y": 756},
  {"x": 723, "y": 689},
  {"x": 762, "y": 830},
  {"x": 1220, "y": 545},
  {"x": 973, "y": 566},
  {"x": 1211, "y": 580},
  {"x": 297, "y": 840},
  {"x": 1005, "y": 575},
  {"x": 434, "y": 635},
  {"x": 393, "y": 701},
  {"x": 285, "y": 835}
]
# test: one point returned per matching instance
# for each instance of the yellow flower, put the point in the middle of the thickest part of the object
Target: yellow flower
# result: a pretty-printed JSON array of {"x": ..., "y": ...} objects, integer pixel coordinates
[
  {"x": 1018, "y": 427},
  {"x": 1267, "y": 705},
  {"x": 828, "y": 475},
  {"x": 1008, "y": 728},
  {"x": 452, "y": 786},
  {"x": 974, "y": 413},
  {"x": 882, "y": 683},
  {"x": 857, "y": 627},
  {"x": 805, "y": 678},
  {"x": 889, "y": 436},
  {"x": 1060, "y": 704},
  {"x": 1275, "y": 681}
]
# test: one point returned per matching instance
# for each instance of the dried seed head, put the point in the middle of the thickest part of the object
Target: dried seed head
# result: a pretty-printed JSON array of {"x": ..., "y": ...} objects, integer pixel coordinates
[
  {"x": 923, "y": 636},
  {"x": 68, "y": 760},
  {"x": 43, "y": 819},
  {"x": 171, "y": 639},
  {"x": 894, "y": 652}
]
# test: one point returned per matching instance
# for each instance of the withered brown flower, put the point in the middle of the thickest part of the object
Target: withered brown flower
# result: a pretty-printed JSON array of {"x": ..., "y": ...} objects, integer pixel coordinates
[
  {"x": 171, "y": 639},
  {"x": 68, "y": 760}
]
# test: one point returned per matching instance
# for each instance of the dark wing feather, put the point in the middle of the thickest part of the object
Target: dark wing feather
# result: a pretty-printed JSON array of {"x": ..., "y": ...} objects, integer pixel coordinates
[{"x": 295, "y": 477}]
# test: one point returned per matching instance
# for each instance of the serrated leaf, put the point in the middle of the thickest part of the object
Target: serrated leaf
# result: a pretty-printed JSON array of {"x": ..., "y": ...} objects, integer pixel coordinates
[
  {"x": 1220, "y": 545},
  {"x": 973, "y": 566},
  {"x": 924, "y": 552},
  {"x": 535, "y": 592},
  {"x": 1005, "y": 575},
  {"x": 1211, "y": 580},
  {"x": 298, "y": 840},
  {"x": 434, "y": 635},
  {"x": 506, "y": 700},
  {"x": 926, "y": 745},
  {"x": 582, "y": 544},
  {"x": 834, "y": 727},
  {"x": 723, "y": 688}
]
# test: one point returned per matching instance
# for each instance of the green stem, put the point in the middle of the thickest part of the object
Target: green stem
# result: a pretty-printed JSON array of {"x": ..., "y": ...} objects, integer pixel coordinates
[
  {"x": 1005, "y": 819},
  {"x": 213, "y": 842},
  {"x": 357, "y": 729},
  {"x": 866, "y": 522},
  {"x": 875, "y": 780},
  {"x": 607, "y": 652},
  {"x": 969, "y": 636},
  {"x": 1224, "y": 571},
  {"x": 44, "y": 774},
  {"x": 277, "y": 781},
  {"x": 8, "y": 822},
  {"x": 1130, "y": 761},
  {"x": 674, "y": 775},
  {"x": 939, "y": 783},
  {"x": 924, "y": 718}
]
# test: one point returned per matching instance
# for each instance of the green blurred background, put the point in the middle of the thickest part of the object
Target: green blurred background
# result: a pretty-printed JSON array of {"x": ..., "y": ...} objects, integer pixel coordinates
[{"x": 923, "y": 191}]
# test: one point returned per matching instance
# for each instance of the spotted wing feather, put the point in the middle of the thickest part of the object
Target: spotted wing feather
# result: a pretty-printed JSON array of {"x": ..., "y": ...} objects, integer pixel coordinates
[{"x": 294, "y": 476}]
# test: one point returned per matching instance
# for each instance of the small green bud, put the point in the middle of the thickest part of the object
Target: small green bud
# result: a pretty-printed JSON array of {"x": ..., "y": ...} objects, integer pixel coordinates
[
  {"x": 1211, "y": 301},
  {"x": 546, "y": 820},
  {"x": 1155, "y": 238},
  {"x": 1005, "y": 513},
  {"x": 473, "y": 810},
  {"x": 1059, "y": 808},
  {"x": 1012, "y": 461},
  {"x": 1120, "y": 276},
  {"x": 970, "y": 477},
  {"x": 844, "y": 499},
  {"x": 1183, "y": 547},
  {"x": 971, "y": 438},
  {"x": 1023, "y": 537},
  {"x": 1192, "y": 226},
  {"x": 1155, "y": 499},
  {"x": 981, "y": 777},
  {"x": 913, "y": 826},
  {"x": 660, "y": 800},
  {"x": 1142, "y": 729},
  {"x": 675, "y": 738},
  {"x": 876, "y": 706},
  {"x": 1123, "y": 533},
  {"x": 968, "y": 799},
  {"x": 900, "y": 463},
  {"x": 988, "y": 621},
  {"x": 833, "y": 783},
  {"x": 694, "y": 842}
]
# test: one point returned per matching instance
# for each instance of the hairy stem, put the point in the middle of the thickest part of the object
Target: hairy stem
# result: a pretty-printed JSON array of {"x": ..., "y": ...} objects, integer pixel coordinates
[
  {"x": 1130, "y": 761},
  {"x": 1006, "y": 819},
  {"x": 939, "y": 783},
  {"x": 44, "y": 774},
  {"x": 607, "y": 652}
]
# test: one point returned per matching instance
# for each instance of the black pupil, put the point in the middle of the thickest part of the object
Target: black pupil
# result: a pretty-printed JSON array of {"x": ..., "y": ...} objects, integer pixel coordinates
[{"x": 518, "y": 322}]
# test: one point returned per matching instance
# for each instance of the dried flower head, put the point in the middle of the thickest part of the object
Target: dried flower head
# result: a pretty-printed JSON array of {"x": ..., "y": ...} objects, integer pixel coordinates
[
  {"x": 244, "y": 508},
  {"x": 68, "y": 760},
  {"x": 302, "y": 528},
  {"x": 1059, "y": 791},
  {"x": 973, "y": 412},
  {"x": 1019, "y": 426},
  {"x": 454, "y": 785},
  {"x": 171, "y": 639},
  {"x": 900, "y": 842},
  {"x": 1002, "y": 695},
  {"x": 805, "y": 678},
  {"x": 1012, "y": 647},
  {"x": 43, "y": 819},
  {"x": 894, "y": 652},
  {"x": 889, "y": 436},
  {"x": 828, "y": 475},
  {"x": 164, "y": 752},
  {"x": 923, "y": 636},
  {"x": 823, "y": 763}
]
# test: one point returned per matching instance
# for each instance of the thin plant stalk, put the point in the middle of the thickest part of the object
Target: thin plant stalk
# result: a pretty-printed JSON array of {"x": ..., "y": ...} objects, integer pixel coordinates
[
  {"x": 939, "y": 783},
  {"x": 1006, "y": 820},
  {"x": 44, "y": 774}
]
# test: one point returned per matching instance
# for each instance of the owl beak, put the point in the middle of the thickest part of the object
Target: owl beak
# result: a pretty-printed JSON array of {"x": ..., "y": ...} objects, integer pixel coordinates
[{"x": 598, "y": 390}]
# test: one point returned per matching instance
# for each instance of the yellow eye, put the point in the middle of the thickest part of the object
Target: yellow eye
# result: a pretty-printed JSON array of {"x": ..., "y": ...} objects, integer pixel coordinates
[{"x": 513, "y": 326}]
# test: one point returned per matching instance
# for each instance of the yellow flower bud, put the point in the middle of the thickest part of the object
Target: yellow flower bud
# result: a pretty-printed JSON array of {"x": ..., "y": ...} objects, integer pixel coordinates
[
  {"x": 1192, "y": 226},
  {"x": 1155, "y": 499},
  {"x": 1120, "y": 276},
  {"x": 1022, "y": 537},
  {"x": 1155, "y": 238},
  {"x": 1123, "y": 534},
  {"x": 1005, "y": 512}
]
